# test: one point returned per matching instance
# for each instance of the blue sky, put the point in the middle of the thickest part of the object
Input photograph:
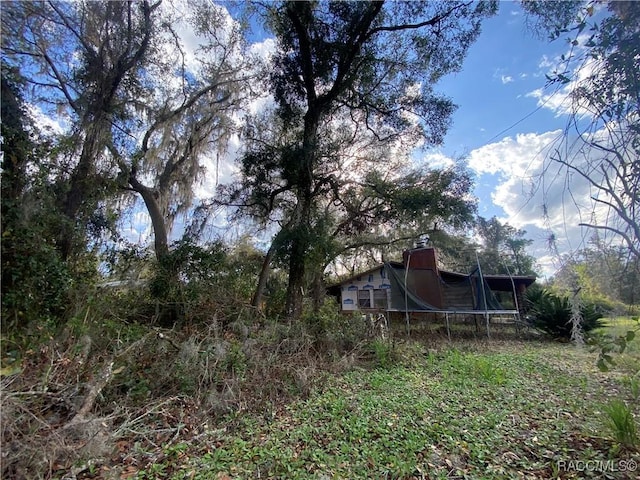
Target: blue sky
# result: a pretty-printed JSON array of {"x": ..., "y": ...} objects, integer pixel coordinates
[
  {"x": 492, "y": 90},
  {"x": 504, "y": 128}
]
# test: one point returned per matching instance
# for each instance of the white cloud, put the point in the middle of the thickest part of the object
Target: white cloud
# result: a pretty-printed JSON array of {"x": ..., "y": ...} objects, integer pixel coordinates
[
  {"x": 264, "y": 49},
  {"x": 220, "y": 168},
  {"x": 45, "y": 123},
  {"x": 537, "y": 194},
  {"x": 506, "y": 79},
  {"x": 136, "y": 227},
  {"x": 437, "y": 160},
  {"x": 577, "y": 66},
  {"x": 511, "y": 156},
  {"x": 546, "y": 62}
]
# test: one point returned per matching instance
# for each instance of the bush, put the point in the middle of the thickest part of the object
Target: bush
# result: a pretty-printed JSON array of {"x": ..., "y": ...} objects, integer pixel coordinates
[
  {"x": 334, "y": 331},
  {"x": 552, "y": 313}
]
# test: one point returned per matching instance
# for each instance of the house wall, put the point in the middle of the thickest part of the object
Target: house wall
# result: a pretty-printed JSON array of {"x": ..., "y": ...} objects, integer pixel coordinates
[{"x": 373, "y": 280}]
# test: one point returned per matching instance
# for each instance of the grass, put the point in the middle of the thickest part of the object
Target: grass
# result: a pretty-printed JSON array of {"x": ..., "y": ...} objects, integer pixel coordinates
[
  {"x": 489, "y": 410},
  {"x": 621, "y": 422}
]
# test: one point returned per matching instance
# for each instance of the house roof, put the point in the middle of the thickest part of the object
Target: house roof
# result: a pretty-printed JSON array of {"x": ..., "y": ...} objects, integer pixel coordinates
[
  {"x": 364, "y": 273},
  {"x": 495, "y": 281}
]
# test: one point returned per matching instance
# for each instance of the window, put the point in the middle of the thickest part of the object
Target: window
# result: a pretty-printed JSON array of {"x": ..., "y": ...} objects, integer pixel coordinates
[
  {"x": 364, "y": 299},
  {"x": 380, "y": 298}
]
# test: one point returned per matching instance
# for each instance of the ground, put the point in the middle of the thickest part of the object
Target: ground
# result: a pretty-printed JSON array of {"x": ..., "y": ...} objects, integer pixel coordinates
[{"x": 420, "y": 408}]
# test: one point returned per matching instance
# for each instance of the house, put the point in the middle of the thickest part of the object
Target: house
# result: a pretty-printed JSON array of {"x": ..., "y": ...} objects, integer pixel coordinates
[{"x": 417, "y": 285}]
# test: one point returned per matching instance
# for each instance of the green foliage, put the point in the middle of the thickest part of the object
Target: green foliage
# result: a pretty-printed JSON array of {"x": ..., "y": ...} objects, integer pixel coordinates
[
  {"x": 333, "y": 331},
  {"x": 193, "y": 281},
  {"x": 607, "y": 345},
  {"x": 489, "y": 371},
  {"x": 384, "y": 353},
  {"x": 35, "y": 279},
  {"x": 621, "y": 423},
  {"x": 606, "y": 275},
  {"x": 187, "y": 263},
  {"x": 552, "y": 313},
  {"x": 38, "y": 280},
  {"x": 423, "y": 419},
  {"x": 632, "y": 382},
  {"x": 503, "y": 248}
]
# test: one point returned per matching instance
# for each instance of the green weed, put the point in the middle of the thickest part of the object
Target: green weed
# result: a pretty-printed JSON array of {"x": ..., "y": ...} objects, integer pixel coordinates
[
  {"x": 383, "y": 352},
  {"x": 621, "y": 423},
  {"x": 632, "y": 382},
  {"x": 489, "y": 371}
]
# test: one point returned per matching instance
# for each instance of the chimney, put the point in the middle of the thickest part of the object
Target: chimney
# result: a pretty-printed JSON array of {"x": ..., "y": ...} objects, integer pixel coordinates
[
  {"x": 423, "y": 279},
  {"x": 421, "y": 258}
]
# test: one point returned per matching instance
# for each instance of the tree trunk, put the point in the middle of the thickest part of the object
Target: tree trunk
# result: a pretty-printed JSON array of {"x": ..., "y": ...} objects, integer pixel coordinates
[
  {"x": 302, "y": 216},
  {"x": 318, "y": 291},
  {"x": 264, "y": 275},
  {"x": 81, "y": 189},
  {"x": 168, "y": 309},
  {"x": 160, "y": 233},
  {"x": 299, "y": 247}
]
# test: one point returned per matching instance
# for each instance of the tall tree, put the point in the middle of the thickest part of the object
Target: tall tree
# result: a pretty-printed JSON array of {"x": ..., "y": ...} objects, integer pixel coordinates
[
  {"x": 371, "y": 196},
  {"x": 34, "y": 278},
  {"x": 606, "y": 275},
  {"x": 184, "y": 113},
  {"x": 84, "y": 60},
  {"x": 144, "y": 103},
  {"x": 373, "y": 61},
  {"x": 601, "y": 143},
  {"x": 503, "y": 248}
]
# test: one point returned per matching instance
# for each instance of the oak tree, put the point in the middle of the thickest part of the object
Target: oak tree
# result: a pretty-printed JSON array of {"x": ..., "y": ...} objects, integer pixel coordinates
[{"x": 375, "y": 62}]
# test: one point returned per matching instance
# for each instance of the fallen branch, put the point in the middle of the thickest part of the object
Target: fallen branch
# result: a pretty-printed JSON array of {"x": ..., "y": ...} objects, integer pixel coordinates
[{"x": 102, "y": 380}]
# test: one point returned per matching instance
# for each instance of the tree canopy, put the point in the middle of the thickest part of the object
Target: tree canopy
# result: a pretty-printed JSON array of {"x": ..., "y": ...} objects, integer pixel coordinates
[{"x": 370, "y": 66}]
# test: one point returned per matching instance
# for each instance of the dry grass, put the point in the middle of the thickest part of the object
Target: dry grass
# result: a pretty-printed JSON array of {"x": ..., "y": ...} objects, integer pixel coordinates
[{"x": 76, "y": 403}]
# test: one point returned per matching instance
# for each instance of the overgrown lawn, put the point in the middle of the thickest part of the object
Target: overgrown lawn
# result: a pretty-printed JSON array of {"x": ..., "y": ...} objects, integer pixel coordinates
[{"x": 462, "y": 410}]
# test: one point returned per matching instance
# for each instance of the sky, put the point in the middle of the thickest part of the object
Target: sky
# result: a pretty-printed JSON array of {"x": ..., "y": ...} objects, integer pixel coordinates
[{"x": 505, "y": 123}]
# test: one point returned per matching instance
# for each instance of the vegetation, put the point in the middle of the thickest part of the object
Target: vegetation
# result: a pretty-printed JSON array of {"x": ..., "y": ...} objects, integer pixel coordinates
[
  {"x": 607, "y": 276},
  {"x": 344, "y": 103},
  {"x": 187, "y": 354},
  {"x": 553, "y": 313}
]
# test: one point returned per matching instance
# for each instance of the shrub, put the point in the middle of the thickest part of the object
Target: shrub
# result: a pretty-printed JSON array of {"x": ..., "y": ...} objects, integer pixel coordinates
[
  {"x": 552, "y": 313},
  {"x": 332, "y": 330}
]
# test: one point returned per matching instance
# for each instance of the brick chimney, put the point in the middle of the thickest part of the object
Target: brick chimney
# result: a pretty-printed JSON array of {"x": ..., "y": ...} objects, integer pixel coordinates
[
  {"x": 423, "y": 278},
  {"x": 421, "y": 257}
]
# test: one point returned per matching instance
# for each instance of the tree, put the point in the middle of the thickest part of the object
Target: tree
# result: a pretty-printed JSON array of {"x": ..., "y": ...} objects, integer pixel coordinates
[
  {"x": 84, "y": 61},
  {"x": 503, "y": 248},
  {"x": 34, "y": 278},
  {"x": 601, "y": 143},
  {"x": 183, "y": 114},
  {"x": 144, "y": 107},
  {"x": 607, "y": 275},
  {"x": 373, "y": 62},
  {"x": 372, "y": 198}
]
